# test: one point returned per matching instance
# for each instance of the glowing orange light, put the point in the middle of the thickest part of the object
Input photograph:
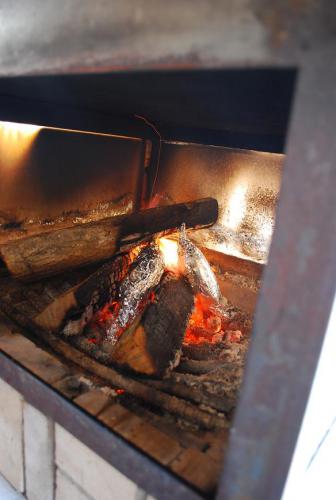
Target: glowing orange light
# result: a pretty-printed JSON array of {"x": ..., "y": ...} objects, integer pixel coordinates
[
  {"x": 206, "y": 323},
  {"x": 15, "y": 142},
  {"x": 119, "y": 391},
  {"x": 237, "y": 206},
  {"x": 16, "y": 129},
  {"x": 169, "y": 250}
]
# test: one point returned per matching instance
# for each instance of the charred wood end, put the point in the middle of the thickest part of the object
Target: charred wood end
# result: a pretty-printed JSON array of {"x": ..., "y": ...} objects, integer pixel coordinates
[{"x": 152, "y": 345}]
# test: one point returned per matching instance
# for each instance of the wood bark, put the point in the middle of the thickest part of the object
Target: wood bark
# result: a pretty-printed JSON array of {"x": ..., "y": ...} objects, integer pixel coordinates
[
  {"x": 152, "y": 345},
  {"x": 57, "y": 251},
  {"x": 71, "y": 310}
]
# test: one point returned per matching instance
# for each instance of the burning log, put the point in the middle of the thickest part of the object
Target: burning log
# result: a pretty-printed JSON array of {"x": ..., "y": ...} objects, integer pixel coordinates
[
  {"x": 56, "y": 251},
  {"x": 152, "y": 345},
  {"x": 72, "y": 309}
]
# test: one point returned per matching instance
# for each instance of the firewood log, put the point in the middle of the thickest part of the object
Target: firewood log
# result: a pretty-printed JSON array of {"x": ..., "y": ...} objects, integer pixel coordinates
[
  {"x": 152, "y": 344},
  {"x": 69, "y": 311},
  {"x": 57, "y": 251}
]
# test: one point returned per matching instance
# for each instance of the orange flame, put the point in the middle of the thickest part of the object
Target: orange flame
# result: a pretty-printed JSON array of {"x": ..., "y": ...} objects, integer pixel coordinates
[
  {"x": 206, "y": 324},
  {"x": 16, "y": 140},
  {"x": 169, "y": 250}
]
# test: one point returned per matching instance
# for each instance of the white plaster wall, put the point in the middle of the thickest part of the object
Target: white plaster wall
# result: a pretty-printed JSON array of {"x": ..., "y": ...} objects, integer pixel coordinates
[
  {"x": 7, "y": 492},
  {"x": 312, "y": 474},
  {"x": 11, "y": 436}
]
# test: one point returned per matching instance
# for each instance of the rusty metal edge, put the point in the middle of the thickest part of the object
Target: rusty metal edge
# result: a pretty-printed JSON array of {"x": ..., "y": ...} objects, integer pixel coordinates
[
  {"x": 129, "y": 35},
  {"x": 145, "y": 472},
  {"x": 295, "y": 300}
]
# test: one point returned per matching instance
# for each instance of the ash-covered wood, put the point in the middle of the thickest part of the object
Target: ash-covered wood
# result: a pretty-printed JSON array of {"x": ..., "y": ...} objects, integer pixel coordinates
[
  {"x": 152, "y": 345},
  {"x": 71, "y": 310},
  {"x": 53, "y": 252},
  {"x": 172, "y": 404},
  {"x": 218, "y": 388},
  {"x": 197, "y": 367}
]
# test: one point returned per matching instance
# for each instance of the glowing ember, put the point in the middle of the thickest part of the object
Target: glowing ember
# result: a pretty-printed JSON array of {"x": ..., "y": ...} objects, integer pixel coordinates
[
  {"x": 169, "y": 250},
  {"x": 92, "y": 340},
  {"x": 119, "y": 391},
  {"x": 134, "y": 252},
  {"x": 109, "y": 311},
  {"x": 207, "y": 323}
]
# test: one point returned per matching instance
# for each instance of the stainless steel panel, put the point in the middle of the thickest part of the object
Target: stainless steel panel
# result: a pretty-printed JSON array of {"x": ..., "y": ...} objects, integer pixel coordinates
[{"x": 245, "y": 183}]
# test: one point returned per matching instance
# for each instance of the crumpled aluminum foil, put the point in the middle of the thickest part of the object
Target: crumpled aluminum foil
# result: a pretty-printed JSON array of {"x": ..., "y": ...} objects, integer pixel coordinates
[
  {"x": 196, "y": 267},
  {"x": 146, "y": 272}
]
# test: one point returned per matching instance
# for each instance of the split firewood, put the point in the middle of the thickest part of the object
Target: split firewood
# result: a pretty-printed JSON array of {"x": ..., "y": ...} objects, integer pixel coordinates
[
  {"x": 69, "y": 311},
  {"x": 56, "y": 251},
  {"x": 152, "y": 345}
]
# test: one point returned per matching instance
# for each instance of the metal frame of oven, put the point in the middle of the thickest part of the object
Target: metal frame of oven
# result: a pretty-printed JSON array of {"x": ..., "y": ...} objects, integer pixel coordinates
[{"x": 299, "y": 282}]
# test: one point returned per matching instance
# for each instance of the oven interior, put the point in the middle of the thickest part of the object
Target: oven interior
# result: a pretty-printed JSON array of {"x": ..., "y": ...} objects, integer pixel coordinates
[{"x": 80, "y": 150}]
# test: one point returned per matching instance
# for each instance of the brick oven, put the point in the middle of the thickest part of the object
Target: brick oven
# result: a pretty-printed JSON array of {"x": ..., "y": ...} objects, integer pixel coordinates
[{"x": 166, "y": 245}]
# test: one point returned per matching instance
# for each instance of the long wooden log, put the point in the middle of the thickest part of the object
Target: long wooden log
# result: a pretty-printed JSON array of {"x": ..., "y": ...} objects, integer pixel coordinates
[
  {"x": 138, "y": 388},
  {"x": 57, "y": 251},
  {"x": 192, "y": 388}
]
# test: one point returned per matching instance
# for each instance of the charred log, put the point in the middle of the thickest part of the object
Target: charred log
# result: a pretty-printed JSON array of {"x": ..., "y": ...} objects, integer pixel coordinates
[
  {"x": 208, "y": 392},
  {"x": 201, "y": 367},
  {"x": 152, "y": 345},
  {"x": 167, "y": 402},
  {"x": 71, "y": 310},
  {"x": 56, "y": 251}
]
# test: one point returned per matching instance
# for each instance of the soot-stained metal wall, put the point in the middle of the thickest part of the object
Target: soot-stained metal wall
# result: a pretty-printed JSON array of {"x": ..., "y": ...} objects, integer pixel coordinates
[
  {"x": 245, "y": 183},
  {"x": 45, "y": 173}
]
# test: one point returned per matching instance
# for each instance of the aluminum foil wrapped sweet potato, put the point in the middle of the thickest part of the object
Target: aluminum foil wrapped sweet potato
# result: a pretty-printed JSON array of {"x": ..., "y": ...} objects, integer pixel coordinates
[
  {"x": 145, "y": 273},
  {"x": 196, "y": 267}
]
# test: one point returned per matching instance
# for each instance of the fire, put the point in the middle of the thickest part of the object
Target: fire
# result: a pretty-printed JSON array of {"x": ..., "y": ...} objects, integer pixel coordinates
[
  {"x": 207, "y": 323},
  {"x": 169, "y": 250}
]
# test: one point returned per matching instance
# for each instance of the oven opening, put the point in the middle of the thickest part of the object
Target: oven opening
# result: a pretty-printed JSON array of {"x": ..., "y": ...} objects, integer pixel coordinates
[{"x": 136, "y": 216}]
